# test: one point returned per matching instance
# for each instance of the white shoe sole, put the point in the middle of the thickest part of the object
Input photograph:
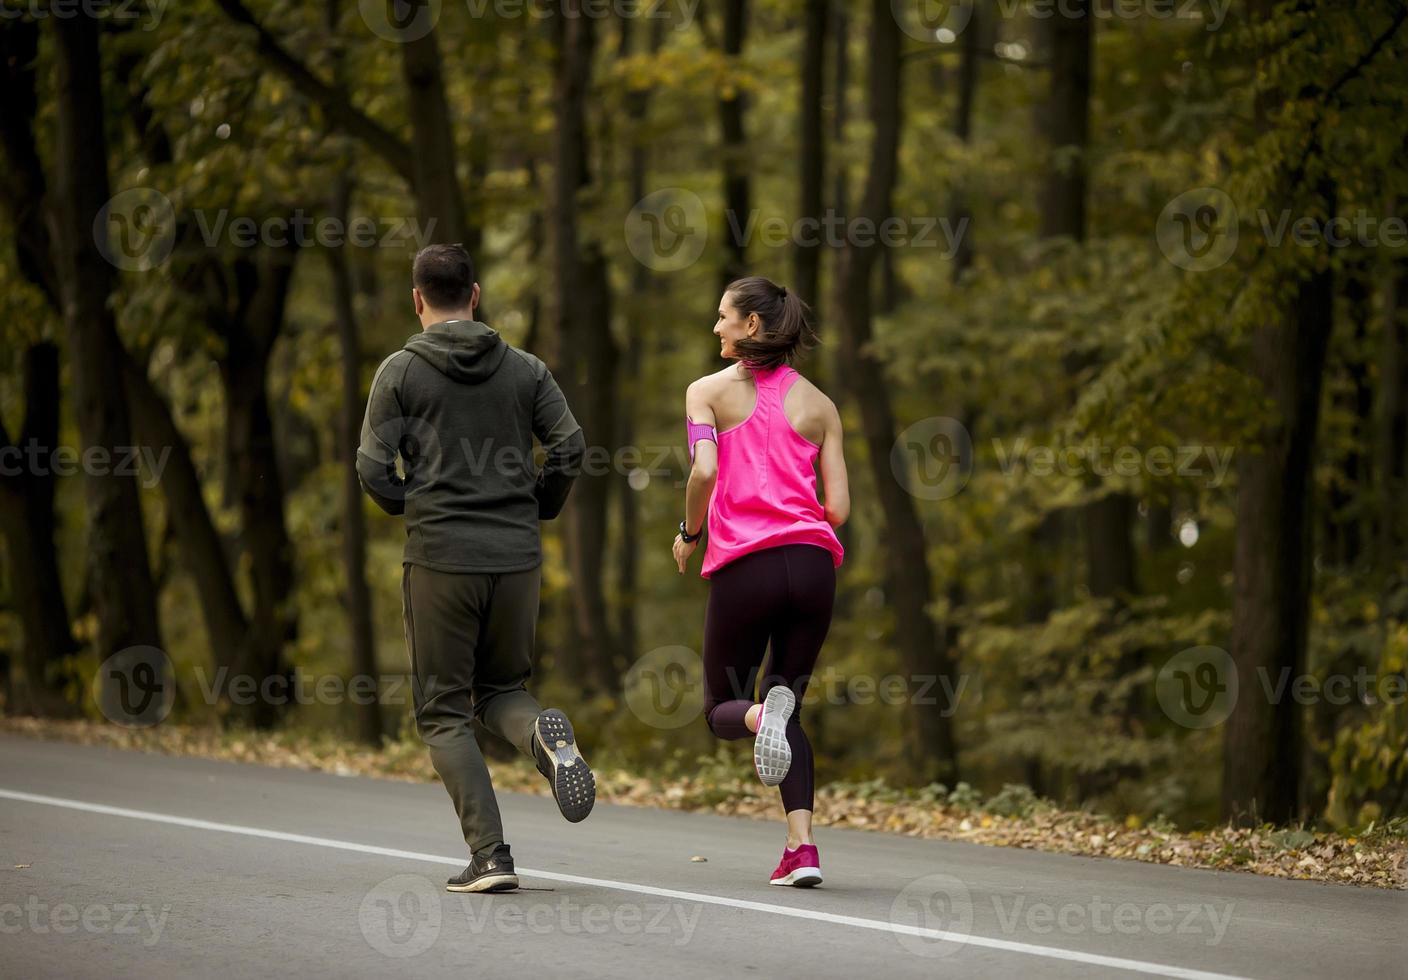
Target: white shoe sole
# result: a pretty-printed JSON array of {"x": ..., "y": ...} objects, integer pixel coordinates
[
  {"x": 772, "y": 756},
  {"x": 489, "y": 883},
  {"x": 800, "y": 878}
]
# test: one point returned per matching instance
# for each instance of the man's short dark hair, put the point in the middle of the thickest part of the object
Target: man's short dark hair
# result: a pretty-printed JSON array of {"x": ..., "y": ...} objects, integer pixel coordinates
[{"x": 444, "y": 274}]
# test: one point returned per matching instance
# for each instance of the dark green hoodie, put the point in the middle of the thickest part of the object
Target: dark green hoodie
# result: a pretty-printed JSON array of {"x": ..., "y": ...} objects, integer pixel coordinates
[{"x": 448, "y": 441}]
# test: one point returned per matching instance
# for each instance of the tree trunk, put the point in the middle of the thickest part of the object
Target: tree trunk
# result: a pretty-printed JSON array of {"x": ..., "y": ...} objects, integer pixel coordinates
[
  {"x": 27, "y": 519},
  {"x": 1064, "y": 119},
  {"x": 233, "y": 644},
  {"x": 838, "y": 367},
  {"x": 358, "y": 599},
  {"x": 632, "y": 355},
  {"x": 121, "y": 580},
  {"x": 961, "y": 216},
  {"x": 1392, "y": 449},
  {"x": 202, "y": 549},
  {"x": 1349, "y": 522},
  {"x": 1263, "y": 743},
  {"x": 908, "y": 581},
  {"x": 24, "y": 187},
  {"x": 811, "y": 162},
  {"x": 734, "y": 151},
  {"x": 1157, "y": 524},
  {"x": 959, "y": 212},
  {"x": 438, "y": 196},
  {"x": 1106, "y": 522},
  {"x": 1109, "y": 546},
  {"x": 254, "y": 483},
  {"x": 187, "y": 512},
  {"x": 586, "y": 354},
  {"x": 1061, "y": 211},
  {"x": 354, "y": 521},
  {"x": 27, "y": 499}
]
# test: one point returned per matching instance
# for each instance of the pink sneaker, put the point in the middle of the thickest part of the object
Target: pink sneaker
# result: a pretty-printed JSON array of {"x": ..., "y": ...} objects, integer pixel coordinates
[{"x": 800, "y": 868}]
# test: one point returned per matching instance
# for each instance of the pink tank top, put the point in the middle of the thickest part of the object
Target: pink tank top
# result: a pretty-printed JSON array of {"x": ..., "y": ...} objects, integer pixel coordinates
[{"x": 765, "y": 496}]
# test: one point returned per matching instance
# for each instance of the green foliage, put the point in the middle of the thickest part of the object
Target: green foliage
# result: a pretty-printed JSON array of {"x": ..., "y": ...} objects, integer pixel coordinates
[{"x": 1368, "y": 759}]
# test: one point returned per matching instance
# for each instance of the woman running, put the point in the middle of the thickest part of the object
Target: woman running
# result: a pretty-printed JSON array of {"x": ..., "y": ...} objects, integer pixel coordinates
[{"x": 756, "y": 430}]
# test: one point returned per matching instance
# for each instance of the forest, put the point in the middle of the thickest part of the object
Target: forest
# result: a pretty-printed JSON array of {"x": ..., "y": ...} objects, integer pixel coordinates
[{"x": 1111, "y": 296}]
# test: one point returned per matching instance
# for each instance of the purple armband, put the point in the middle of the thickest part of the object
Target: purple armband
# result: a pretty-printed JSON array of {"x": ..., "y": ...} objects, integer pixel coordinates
[{"x": 696, "y": 431}]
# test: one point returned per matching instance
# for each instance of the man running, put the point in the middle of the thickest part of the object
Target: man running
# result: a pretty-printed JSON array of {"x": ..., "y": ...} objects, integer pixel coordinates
[{"x": 457, "y": 408}]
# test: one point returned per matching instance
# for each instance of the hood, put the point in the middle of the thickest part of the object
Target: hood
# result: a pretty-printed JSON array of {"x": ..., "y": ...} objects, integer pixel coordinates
[{"x": 466, "y": 351}]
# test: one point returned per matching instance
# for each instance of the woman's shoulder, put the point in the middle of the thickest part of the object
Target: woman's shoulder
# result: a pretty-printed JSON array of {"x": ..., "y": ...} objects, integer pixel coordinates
[
  {"x": 715, "y": 381},
  {"x": 807, "y": 389}
]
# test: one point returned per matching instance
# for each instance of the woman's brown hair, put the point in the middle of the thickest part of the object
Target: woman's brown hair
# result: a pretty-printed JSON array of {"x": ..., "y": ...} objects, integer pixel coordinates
[{"x": 786, "y": 329}]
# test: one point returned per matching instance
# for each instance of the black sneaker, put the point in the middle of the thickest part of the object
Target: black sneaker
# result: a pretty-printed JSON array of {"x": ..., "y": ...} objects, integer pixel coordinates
[
  {"x": 573, "y": 785},
  {"x": 488, "y": 871}
]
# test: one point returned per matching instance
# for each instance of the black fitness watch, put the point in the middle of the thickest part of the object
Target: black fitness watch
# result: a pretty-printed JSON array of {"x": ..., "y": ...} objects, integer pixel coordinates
[{"x": 688, "y": 538}]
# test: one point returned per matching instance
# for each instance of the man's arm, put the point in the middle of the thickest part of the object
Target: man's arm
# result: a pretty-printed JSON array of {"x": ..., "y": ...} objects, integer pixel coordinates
[
  {"x": 381, "y": 427},
  {"x": 562, "y": 439}
]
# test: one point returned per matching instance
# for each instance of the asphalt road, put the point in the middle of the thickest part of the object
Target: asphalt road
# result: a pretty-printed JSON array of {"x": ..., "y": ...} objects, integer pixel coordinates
[{"x": 119, "y": 864}]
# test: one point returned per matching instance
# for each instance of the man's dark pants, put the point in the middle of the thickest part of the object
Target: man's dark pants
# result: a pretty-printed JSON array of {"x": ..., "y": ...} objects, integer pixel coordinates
[{"x": 470, "y": 637}]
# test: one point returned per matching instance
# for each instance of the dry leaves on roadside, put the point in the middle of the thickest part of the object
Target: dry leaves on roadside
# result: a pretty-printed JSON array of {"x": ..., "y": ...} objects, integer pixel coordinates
[{"x": 1280, "y": 853}]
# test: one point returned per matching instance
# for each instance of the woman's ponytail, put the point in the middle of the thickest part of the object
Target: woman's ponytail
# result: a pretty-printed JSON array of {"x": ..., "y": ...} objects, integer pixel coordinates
[{"x": 787, "y": 329}]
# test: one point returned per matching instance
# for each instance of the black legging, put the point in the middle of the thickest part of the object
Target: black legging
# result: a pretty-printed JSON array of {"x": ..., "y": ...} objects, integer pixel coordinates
[{"x": 780, "y": 594}]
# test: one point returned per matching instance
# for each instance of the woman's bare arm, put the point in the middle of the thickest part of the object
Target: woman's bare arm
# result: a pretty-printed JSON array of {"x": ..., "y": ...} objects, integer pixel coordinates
[
  {"x": 834, "y": 481},
  {"x": 704, "y": 473}
]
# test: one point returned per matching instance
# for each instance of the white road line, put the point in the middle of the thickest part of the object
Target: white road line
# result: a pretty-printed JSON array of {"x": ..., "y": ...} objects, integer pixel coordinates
[{"x": 1048, "y": 952}]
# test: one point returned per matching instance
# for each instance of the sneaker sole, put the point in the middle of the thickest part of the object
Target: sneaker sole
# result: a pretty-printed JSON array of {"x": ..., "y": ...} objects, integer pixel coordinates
[
  {"x": 573, "y": 785},
  {"x": 800, "y": 878},
  {"x": 772, "y": 756},
  {"x": 488, "y": 883}
]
